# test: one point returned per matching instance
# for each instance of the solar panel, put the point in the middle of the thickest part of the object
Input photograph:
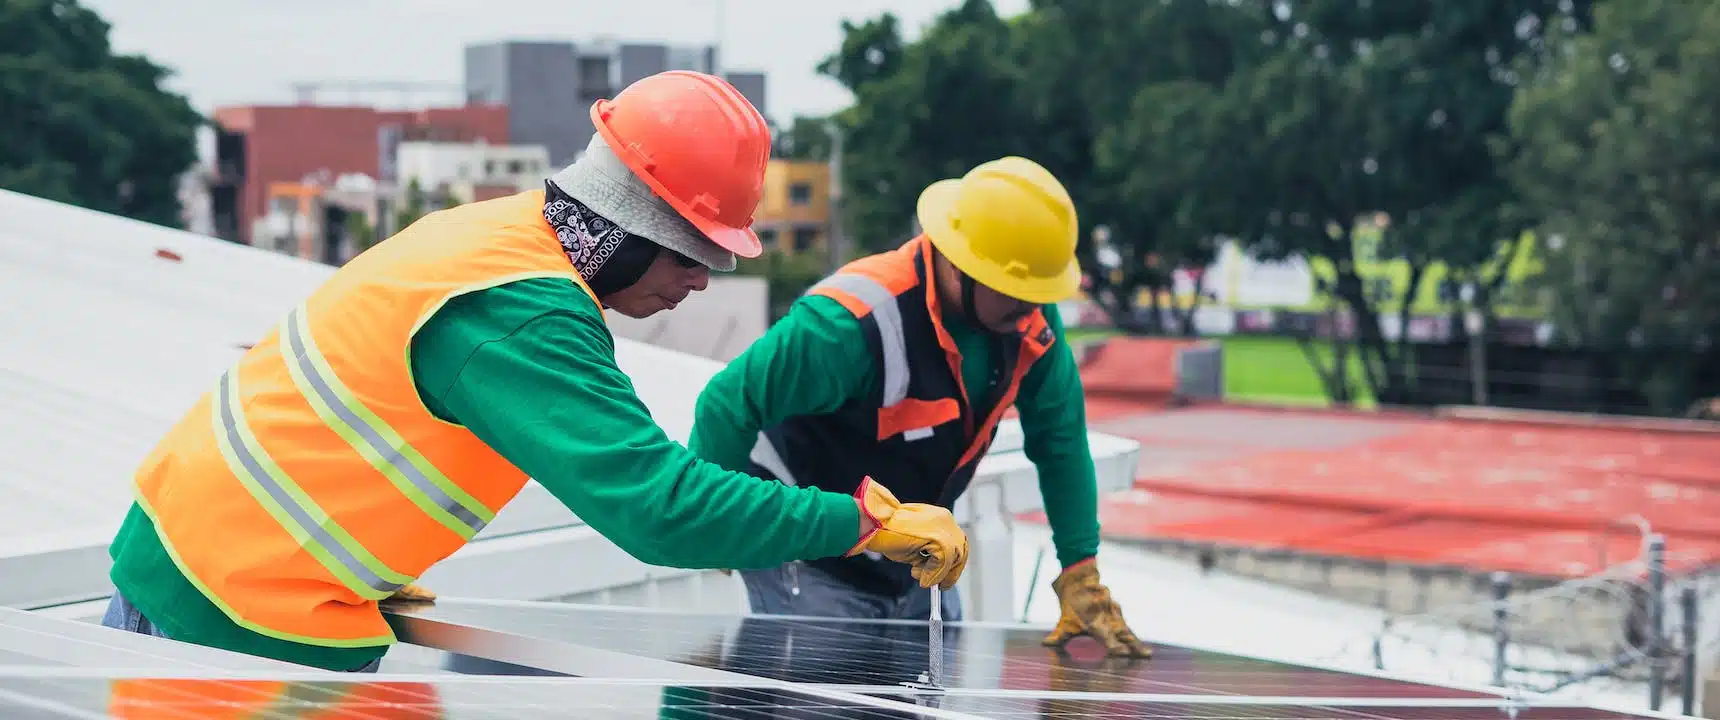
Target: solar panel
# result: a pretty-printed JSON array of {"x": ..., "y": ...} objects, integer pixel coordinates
[
  {"x": 890, "y": 653},
  {"x": 504, "y": 659},
  {"x": 97, "y": 694}
]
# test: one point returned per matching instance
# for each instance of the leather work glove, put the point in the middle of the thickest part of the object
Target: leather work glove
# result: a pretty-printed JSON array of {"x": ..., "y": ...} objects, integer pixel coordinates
[
  {"x": 410, "y": 594},
  {"x": 1089, "y": 610},
  {"x": 922, "y": 535}
]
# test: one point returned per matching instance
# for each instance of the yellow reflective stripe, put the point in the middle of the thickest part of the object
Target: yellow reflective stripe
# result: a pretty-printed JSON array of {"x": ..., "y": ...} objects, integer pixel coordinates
[
  {"x": 196, "y": 582},
  {"x": 301, "y": 516},
  {"x": 374, "y": 439}
]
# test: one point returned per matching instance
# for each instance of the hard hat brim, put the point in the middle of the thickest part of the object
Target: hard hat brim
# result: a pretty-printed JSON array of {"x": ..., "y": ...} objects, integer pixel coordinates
[{"x": 936, "y": 212}]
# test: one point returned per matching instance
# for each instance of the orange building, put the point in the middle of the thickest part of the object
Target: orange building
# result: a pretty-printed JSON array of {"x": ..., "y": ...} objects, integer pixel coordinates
[{"x": 794, "y": 214}]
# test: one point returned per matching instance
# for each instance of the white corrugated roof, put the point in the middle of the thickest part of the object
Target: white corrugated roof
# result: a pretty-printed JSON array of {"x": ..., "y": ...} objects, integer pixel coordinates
[{"x": 106, "y": 344}]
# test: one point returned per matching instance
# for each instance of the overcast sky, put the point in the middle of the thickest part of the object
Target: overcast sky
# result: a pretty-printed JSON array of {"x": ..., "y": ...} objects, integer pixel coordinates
[{"x": 236, "y": 52}]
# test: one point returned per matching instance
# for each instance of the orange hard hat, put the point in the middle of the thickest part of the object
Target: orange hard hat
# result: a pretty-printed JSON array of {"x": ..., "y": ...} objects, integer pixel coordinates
[{"x": 699, "y": 144}]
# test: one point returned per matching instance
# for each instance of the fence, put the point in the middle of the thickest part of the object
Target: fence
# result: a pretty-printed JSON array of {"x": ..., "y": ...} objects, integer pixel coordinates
[{"x": 1631, "y": 628}]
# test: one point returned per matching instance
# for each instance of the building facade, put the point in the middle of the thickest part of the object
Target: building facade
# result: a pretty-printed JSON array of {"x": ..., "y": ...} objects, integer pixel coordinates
[
  {"x": 466, "y": 172},
  {"x": 794, "y": 214},
  {"x": 256, "y": 146},
  {"x": 549, "y": 87}
]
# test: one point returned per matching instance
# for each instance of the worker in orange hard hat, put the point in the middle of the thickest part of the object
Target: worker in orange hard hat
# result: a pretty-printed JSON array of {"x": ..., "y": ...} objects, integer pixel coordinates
[
  {"x": 900, "y": 366},
  {"x": 390, "y": 415}
]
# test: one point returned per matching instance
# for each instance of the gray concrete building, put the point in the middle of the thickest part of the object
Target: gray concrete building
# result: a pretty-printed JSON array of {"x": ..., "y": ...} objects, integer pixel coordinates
[{"x": 549, "y": 86}]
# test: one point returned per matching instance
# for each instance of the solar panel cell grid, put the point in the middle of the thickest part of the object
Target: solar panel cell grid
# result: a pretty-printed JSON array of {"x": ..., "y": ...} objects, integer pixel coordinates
[{"x": 846, "y": 652}]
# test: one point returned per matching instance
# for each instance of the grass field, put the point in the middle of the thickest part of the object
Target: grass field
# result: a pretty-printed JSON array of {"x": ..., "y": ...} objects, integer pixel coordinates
[
  {"x": 1275, "y": 370},
  {"x": 1266, "y": 369}
]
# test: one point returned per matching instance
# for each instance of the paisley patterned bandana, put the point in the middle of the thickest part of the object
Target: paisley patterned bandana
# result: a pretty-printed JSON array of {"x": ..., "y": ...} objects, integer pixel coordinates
[{"x": 588, "y": 239}]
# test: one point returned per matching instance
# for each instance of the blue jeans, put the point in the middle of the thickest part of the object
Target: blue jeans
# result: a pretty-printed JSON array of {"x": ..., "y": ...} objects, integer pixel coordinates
[
  {"x": 121, "y": 615},
  {"x": 773, "y": 592}
]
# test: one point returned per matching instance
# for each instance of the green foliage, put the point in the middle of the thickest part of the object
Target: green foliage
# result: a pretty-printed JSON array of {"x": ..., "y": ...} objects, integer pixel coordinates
[
  {"x": 923, "y": 112},
  {"x": 787, "y": 275},
  {"x": 1472, "y": 127},
  {"x": 1619, "y": 158},
  {"x": 81, "y": 125},
  {"x": 807, "y": 138}
]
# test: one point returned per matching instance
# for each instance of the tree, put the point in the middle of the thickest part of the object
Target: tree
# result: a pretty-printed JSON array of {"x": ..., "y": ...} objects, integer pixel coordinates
[
  {"x": 1109, "y": 81},
  {"x": 923, "y": 112},
  {"x": 807, "y": 138},
  {"x": 1365, "y": 108},
  {"x": 82, "y": 125},
  {"x": 1618, "y": 163}
]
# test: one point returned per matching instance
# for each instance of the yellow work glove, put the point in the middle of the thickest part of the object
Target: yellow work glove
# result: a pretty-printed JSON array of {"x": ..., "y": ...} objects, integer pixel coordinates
[
  {"x": 410, "y": 593},
  {"x": 1089, "y": 610},
  {"x": 924, "y": 536}
]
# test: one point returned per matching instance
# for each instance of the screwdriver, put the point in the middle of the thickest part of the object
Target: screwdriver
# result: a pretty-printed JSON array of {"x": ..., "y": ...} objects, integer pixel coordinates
[{"x": 935, "y": 640}]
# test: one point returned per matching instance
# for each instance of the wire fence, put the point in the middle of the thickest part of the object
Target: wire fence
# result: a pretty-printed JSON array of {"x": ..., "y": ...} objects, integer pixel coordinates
[{"x": 1629, "y": 629}]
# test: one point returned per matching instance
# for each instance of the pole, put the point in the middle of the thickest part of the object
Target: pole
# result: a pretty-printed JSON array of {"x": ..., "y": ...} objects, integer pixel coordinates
[
  {"x": 835, "y": 239},
  {"x": 1687, "y": 599},
  {"x": 1501, "y": 630},
  {"x": 1475, "y": 324},
  {"x": 1656, "y": 618}
]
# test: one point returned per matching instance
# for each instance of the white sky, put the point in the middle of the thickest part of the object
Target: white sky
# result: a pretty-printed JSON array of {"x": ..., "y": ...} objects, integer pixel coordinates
[{"x": 235, "y": 52}]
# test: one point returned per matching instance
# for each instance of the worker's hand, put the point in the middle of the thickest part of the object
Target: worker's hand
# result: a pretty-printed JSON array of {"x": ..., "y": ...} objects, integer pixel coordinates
[
  {"x": 924, "y": 536},
  {"x": 410, "y": 594},
  {"x": 1089, "y": 610}
]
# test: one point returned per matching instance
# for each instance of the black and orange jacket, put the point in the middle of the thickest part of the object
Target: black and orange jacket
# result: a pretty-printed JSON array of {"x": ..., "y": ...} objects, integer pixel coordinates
[{"x": 919, "y": 432}]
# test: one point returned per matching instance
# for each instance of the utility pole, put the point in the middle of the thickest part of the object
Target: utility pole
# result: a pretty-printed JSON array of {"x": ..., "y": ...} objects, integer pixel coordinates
[{"x": 835, "y": 240}]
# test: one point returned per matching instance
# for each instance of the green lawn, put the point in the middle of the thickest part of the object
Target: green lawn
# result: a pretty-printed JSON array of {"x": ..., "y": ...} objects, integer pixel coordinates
[
  {"x": 1265, "y": 369},
  {"x": 1274, "y": 370}
]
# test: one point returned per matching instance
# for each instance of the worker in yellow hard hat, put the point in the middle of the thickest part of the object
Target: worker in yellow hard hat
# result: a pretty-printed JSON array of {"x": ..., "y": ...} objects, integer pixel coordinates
[{"x": 899, "y": 367}]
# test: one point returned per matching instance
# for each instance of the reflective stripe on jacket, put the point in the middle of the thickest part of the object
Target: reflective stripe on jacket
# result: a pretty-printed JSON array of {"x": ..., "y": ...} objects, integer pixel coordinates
[{"x": 311, "y": 481}]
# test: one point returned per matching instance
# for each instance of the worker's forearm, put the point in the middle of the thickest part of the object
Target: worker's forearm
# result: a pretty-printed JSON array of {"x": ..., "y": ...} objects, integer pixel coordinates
[
  {"x": 549, "y": 398},
  {"x": 1071, "y": 495},
  {"x": 1054, "y": 426}
]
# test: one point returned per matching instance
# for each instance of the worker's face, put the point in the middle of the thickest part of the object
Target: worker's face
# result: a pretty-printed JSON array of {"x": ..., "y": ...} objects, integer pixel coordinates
[
  {"x": 998, "y": 312},
  {"x": 669, "y": 280}
]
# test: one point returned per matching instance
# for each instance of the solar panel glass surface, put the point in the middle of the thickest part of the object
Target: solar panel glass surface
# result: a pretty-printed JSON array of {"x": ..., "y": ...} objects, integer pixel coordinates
[{"x": 890, "y": 653}]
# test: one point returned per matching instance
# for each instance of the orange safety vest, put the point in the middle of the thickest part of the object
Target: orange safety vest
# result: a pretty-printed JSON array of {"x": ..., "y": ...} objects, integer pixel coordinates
[
  {"x": 311, "y": 481},
  {"x": 178, "y": 698}
]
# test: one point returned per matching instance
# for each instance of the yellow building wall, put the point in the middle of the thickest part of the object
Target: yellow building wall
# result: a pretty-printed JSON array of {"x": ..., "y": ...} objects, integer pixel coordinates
[{"x": 778, "y": 215}]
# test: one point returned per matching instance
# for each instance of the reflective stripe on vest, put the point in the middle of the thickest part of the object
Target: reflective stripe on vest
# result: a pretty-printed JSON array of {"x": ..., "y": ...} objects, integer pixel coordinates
[
  {"x": 309, "y": 524},
  {"x": 380, "y": 445},
  {"x": 882, "y": 303}
]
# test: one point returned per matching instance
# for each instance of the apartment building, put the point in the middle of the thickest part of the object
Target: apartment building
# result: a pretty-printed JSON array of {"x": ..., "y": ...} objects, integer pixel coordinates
[{"x": 549, "y": 87}]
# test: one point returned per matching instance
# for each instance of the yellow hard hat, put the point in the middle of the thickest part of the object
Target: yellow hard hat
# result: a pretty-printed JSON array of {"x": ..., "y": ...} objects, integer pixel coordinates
[{"x": 1010, "y": 225}]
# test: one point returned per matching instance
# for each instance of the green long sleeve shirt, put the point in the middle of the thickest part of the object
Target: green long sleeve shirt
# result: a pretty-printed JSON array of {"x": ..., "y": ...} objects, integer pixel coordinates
[
  {"x": 529, "y": 368},
  {"x": 816, "y": 358}
]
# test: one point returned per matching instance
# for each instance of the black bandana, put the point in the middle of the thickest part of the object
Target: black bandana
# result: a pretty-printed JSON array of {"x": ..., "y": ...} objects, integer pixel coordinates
[{"x": 608, "y": 257}]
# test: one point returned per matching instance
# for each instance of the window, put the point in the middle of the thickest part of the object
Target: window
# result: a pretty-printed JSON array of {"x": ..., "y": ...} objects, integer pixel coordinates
[
  {"x": 805, "y": 238},
  {"x": 516, "y": 167},
  {"x": 767, "y": 238},
  {"x": 800, "y": 193}
]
